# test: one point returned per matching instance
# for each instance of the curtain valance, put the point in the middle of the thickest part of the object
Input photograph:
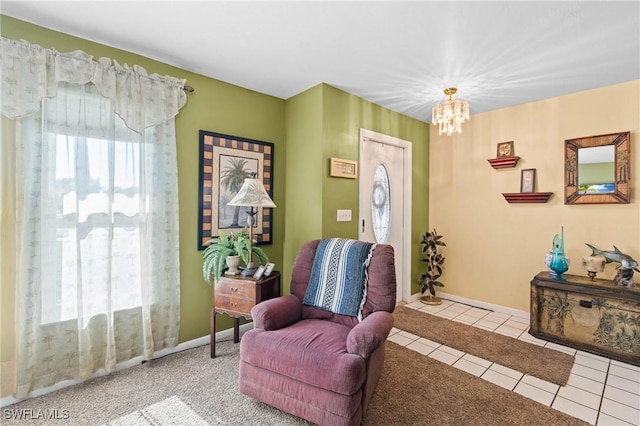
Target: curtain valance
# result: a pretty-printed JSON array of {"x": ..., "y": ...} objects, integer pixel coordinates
[{"x": 31, "y": 73}]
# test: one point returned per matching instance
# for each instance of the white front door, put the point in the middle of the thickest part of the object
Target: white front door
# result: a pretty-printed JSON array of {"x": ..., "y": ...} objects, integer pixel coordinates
[{"x": 385, "y": 200}]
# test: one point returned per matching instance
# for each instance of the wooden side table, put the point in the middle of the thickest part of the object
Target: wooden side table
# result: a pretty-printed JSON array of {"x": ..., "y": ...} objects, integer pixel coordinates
[{"x": 236, "y": 295}]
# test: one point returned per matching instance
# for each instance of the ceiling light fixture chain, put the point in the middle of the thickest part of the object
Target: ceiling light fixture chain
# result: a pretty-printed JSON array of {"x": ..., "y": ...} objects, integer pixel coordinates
[{"x": 450, "y": 115}]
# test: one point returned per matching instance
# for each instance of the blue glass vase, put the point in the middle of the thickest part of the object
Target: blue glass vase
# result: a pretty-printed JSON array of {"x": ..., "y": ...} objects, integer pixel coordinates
[{"x": 558, "y": 264}]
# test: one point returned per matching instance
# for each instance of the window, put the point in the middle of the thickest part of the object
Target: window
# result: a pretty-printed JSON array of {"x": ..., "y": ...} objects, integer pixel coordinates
[
  {"x": 94, "y": 203},
  {"x": 94, "y": 194},
  {"x": 381, "y": 204}
]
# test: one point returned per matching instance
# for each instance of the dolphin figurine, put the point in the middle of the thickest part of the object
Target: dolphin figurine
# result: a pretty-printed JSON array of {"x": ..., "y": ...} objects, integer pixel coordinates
[{"x": 624, "y": 260}]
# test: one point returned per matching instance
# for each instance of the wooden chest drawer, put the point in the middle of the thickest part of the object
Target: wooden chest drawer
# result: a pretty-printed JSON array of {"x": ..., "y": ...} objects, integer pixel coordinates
[
  {"x": 237, "y": 305},
  {"x": 594, "y": 316},
  {"x": 236, "y": 288},
  {"x": 236, "y": 295}
]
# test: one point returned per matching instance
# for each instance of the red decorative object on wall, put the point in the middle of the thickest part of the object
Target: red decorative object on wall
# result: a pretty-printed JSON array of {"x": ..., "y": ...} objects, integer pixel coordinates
[
  {"x": 527, "y": 197},
  {"x": 503, "y": 162}
]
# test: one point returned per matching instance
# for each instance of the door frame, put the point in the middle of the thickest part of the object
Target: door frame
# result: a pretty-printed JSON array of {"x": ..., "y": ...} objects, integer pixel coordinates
[{"x": 371, "y": 136}]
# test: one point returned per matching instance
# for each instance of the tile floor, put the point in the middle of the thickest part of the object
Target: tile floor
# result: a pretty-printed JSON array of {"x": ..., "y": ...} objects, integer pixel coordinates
[{"x": 600, "y": 391}]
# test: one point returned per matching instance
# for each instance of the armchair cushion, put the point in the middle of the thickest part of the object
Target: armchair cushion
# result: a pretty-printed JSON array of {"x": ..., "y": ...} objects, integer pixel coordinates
[
  {"x": 368, "y": 335},
  {"x": 311, "y": 348},
  {"x": 277, "y": 313}
]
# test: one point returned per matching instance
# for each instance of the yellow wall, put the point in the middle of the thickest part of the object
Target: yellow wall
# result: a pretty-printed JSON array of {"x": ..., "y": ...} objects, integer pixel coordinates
[{"x": 495, "y": 248}]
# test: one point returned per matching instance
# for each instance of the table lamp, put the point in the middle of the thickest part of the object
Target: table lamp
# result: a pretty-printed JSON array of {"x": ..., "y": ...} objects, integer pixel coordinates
[{"x": 253, "y": 195}]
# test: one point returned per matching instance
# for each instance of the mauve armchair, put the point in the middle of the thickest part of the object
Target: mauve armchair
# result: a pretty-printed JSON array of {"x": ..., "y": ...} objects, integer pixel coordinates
[{"x": 316, "y": 364}]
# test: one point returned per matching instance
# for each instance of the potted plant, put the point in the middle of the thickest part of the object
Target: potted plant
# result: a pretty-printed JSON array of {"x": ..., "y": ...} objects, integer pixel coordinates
[
  {"x": 219, "y": 250},
  {"x": 434, "y": 260}
]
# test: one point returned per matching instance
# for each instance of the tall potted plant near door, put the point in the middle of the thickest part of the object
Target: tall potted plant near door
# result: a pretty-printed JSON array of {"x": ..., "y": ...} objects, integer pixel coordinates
[{"x": 434, "y": 261}]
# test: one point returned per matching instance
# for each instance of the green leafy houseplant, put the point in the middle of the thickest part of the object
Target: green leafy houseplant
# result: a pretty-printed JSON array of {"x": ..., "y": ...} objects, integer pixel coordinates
[
  {"x": 434, "y": 260},
  {"x": 234, "y": 243}
]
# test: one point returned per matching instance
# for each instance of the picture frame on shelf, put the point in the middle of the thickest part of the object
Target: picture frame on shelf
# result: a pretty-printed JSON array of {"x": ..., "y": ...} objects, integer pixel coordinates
[
  {"x": 528, "y": 180},
  {"x": 225, "y": 161},
  {"x": 259, "y": 272},
  {"x": 505, "y": 149},
  {"x": 269, "y": 268}
]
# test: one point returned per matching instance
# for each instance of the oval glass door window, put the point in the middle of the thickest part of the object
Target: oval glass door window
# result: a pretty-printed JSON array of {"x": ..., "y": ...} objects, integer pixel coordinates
[{"x": 381, "y": 204}]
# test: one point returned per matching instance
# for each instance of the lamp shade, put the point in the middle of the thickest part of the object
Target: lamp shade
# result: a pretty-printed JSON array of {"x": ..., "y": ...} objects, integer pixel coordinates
[{"x": 252, "y": 194}]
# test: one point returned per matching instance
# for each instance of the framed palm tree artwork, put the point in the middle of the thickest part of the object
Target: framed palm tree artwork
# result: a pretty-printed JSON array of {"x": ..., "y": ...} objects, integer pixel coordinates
[{"x": 225, "y": 162}]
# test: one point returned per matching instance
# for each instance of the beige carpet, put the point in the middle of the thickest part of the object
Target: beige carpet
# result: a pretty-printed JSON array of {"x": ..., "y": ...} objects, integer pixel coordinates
[
  {"x": 414, "y": 389},
  {"x": 170, "y": 411},
  {"x": 208, "y": 387},
  {"x": 546, "y": 364}
]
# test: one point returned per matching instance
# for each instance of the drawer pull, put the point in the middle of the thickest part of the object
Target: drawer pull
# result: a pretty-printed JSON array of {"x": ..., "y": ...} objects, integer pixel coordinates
[
  {"x": 236, "y": 289},
  {"x": 586, "y": 304},
  {"x": 234, "y": 304}
]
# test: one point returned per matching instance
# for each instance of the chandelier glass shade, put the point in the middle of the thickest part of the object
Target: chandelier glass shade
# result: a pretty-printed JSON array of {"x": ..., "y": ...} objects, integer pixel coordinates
[{"x": 450, "y": 115}]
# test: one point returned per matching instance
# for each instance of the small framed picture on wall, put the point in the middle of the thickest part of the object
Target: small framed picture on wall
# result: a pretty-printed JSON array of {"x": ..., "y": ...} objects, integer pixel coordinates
[
  {"x": 528, "y": 180},
  {"x": 344, "y": 168},
  {"x": 505, "y": 149}
]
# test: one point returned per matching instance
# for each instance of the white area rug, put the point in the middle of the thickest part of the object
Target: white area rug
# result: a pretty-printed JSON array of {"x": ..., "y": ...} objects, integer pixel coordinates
[{"x": 169, "y": 412}]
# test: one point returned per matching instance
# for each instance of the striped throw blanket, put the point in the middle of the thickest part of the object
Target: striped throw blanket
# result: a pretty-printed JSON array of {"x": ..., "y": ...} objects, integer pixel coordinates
[{"x": 338, "y": 280}]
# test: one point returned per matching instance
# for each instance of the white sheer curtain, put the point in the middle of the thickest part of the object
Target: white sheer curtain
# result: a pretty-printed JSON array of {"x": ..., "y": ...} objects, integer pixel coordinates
[{"x": 96, "y": 212}]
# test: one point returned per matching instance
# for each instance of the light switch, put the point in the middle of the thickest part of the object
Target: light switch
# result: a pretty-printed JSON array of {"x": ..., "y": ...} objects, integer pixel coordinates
[{"x": 344, "y": 215}]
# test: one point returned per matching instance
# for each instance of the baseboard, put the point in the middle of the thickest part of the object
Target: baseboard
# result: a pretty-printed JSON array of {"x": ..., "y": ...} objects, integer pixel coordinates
[
  {"x": 478, "y": 303},
  {"x": 200, "y": 341}
]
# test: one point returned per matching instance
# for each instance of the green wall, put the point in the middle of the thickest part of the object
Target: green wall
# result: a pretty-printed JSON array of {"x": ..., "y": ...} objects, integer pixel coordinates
[
  {"x": 214, "y": 106},
  {"x": 317, "y": 124},
  {"x": 303, "y": 174},
  {"x": 331, "y": 119},
  {"x": 596, "y": 173}
]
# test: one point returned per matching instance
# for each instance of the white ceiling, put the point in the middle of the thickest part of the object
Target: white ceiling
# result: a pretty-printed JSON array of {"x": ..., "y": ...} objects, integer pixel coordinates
[{"x": 400, "y": 55}]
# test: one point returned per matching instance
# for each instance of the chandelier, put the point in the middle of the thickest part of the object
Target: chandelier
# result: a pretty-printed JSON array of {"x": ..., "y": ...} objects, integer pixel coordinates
[{"x": 450, "y": 115}]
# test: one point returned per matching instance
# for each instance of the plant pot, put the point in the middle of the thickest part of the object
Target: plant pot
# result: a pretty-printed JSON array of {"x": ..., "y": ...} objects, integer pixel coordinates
[
  {"x": 431, "y": 300},
  {"x": 232, "y": 262}
]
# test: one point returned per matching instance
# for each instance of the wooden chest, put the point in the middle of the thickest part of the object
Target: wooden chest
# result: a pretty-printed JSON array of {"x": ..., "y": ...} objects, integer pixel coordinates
[{"x": 594, "y": 316}]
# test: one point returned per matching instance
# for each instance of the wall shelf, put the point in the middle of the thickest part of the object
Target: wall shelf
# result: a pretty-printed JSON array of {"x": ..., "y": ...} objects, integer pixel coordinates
[
  {"x": 527, "y": 197},
  {"x": 503, "y": 162}
]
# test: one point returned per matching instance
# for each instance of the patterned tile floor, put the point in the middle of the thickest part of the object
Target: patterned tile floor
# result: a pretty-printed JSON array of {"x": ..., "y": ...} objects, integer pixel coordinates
[{"x": 600, "y": 390}]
